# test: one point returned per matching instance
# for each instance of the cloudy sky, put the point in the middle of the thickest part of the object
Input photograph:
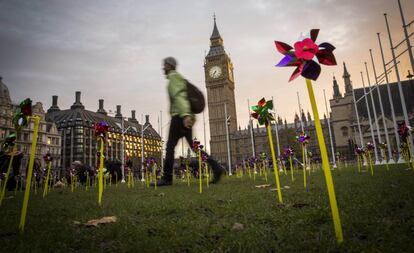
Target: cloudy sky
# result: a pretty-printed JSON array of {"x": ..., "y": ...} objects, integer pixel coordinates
[{"x": 113, "y": 49}]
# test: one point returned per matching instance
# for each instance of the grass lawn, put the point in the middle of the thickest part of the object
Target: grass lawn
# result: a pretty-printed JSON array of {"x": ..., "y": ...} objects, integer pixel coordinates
[{"x": 377, "y": 214}]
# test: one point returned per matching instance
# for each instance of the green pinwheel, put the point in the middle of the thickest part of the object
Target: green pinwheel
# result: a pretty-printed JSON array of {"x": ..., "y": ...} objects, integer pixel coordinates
[{"x": 262, "y": 111}]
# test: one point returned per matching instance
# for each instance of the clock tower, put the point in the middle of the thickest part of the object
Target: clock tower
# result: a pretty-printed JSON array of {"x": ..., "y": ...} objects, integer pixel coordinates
[{"x": 218, "y": 70}]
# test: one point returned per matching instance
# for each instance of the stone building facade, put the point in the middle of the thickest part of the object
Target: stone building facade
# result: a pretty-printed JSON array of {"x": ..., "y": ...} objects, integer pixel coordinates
[
  {"x": 343, "y": 114},
  {"x": 49, "y": 140},
  {"x": 79, "y": 143}
]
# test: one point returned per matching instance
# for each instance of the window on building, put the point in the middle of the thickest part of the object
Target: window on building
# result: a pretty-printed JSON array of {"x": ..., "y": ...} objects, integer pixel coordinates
[
  {"x": 344, "y": 131},
  {"x": 49, "y": 140}
]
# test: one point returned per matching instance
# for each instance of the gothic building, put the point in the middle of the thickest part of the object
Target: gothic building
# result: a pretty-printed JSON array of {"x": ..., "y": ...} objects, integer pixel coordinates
[
  {"x": 343, "y": 115},
  {"x": 49, "y": 140},
  {"x": 79, "y": 143},
  {"x": 219, "y": 79}
]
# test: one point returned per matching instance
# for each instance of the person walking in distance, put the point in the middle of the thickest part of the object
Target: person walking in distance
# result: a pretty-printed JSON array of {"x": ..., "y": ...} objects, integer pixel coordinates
[{"x": 182, "y": 120}]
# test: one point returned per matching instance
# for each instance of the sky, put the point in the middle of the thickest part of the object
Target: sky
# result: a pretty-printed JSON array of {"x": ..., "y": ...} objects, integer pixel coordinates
[{"x": 114, "y": 49}]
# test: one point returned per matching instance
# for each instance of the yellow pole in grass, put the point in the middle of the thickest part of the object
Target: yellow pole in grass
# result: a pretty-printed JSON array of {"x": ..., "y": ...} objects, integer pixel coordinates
[
  {"x": 49, "y": 165},
  {"x": 29, "y": 173},
  {"x": 154, "y": 169},
  {"x": 325, "y": 164},
  {"x": 411, "y": 161},
  {"x": 275, "y": 170},
  {"x": 207, "y": 175},
  {"x": 87, "y": 181},
  {"x": 199, "y": 171},
  {"x": 187, "y": 169},
  {"x": 385, "y": 157},
  {"x": 3, "y": 191},
  {"x": 370, "y": 163},
  {"x": 291, "y": 169},
  {"x": 101, "y": 161},
  {"x": 304, "y": 166}
]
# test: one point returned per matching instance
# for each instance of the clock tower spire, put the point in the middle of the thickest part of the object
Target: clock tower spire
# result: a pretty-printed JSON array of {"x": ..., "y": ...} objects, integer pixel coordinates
[{"x": 218, "y": 70}]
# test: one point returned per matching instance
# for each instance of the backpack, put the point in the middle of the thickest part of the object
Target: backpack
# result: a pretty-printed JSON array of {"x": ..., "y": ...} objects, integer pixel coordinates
[{"x": 196, "y": 98}]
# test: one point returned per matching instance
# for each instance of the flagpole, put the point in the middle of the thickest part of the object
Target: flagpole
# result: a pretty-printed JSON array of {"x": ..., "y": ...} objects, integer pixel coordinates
[
  {"x": 377, "y": 162},
  {"x": 394, "y": 121},
  {"x": 369, "y": 118},
  {"x": 397, "y": 73},
  {"x": 330, "y": 131},
  {"x": 410, "y": 52},
  {"x": 382, "y": 110},
  {"x": 251, "y": 129},
  {"x": 276, "y": 128}
]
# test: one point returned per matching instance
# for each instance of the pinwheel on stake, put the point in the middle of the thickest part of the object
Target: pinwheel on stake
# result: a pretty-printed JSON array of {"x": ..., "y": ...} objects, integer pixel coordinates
[
  {"x": 48, "y": 159},
  {"x": 264, "y": 117},
  {"x": 369, "y": 147},
  {"x": 383, "y": 146},
  {"x": 404, "y": 133},
  {"x": 303, "y": 140},
  {"x": 301, "y": 57},
  {"x": 100, "y": 130},
  {"x": 288, "y": 153},
  {"x": 21, "y": 120},
  {"x": 197, "y": 148},
  {"x": 359, "y": 151}
]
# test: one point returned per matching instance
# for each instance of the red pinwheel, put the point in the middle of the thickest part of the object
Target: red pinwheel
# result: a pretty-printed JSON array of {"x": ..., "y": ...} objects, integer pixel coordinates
[
  {"x": 196, "y": 145},
  {"x": 100, "y": 129},
  {"x": 303, "y": 54},
  {"x": 403, "y": 131},
  {"x": 262, "y": 111},
  {"x": 288, "y": 152},
  {"x": 47, "y": 157}
]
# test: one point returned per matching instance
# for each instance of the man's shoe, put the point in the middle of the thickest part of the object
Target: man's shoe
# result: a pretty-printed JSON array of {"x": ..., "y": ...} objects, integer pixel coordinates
[
  {"x": 162, "y": 182},
  {"x": 218, "y": 171}
]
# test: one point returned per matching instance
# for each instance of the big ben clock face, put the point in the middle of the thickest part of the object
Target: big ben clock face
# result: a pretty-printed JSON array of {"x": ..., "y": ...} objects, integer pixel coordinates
[{"x": 215, "y": 72}]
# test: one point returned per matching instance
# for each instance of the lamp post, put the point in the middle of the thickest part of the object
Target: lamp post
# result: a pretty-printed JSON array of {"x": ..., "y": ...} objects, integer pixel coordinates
[{"x": 227, "y": 122}]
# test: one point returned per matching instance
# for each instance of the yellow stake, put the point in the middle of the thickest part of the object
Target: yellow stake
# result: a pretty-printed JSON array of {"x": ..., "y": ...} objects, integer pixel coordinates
[
  {"x": 199, "y": 171},
  {"x": 47, "y": 179},
  {"x": 325, "y": 164},
  {"x": 29, "y": 174},
  {"x": 291, "y": 169},
  {"x": 3, "y": 191},
  {"x": 101, "y": 161},
  {"x": 275, "y": 170},
  {"x": 304, "y": 166}
]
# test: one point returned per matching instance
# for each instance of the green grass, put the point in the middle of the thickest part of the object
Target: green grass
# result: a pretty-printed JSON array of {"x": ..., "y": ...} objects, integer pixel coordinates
[{"x": 377, "y": 214}]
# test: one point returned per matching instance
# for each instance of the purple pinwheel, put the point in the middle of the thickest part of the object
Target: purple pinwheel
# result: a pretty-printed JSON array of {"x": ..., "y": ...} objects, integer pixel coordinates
[{"x": 303, "y": 138}]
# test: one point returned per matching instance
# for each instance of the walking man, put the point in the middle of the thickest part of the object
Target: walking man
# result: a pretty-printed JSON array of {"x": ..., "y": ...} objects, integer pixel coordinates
[{"x": 182, "y": 120}]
